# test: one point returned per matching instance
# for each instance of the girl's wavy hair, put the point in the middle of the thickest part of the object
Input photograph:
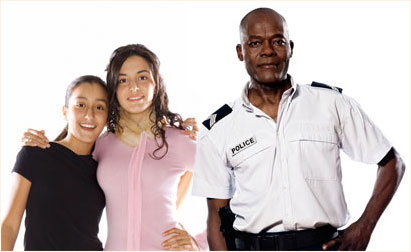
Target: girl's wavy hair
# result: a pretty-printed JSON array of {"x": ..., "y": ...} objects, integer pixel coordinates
[
  {"x": 159, "y": 107},
  {"x": 73, "y": 85}
]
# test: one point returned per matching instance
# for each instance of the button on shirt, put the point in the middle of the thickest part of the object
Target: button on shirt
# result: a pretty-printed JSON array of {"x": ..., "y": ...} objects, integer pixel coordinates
[{"x": 286, "y": 175}]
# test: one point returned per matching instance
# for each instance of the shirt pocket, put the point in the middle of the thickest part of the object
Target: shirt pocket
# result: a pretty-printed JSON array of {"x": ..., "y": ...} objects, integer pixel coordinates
[{"x": 313, "y": 149}]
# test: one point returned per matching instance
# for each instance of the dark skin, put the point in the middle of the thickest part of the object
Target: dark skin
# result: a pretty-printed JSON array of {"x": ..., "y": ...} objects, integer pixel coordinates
[
  {"x": 266, "y": 50},
  {"x": 215, "y": 238}
]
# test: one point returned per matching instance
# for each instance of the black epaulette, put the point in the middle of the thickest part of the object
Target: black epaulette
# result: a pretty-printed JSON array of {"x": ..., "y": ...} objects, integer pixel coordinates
[
  {"x": 322, "y": 85},
  {"x": 217, "y": 116}
]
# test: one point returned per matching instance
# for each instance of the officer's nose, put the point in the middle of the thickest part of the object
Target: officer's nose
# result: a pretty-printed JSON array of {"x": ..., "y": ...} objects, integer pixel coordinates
[{"x": 267, "y": 49}]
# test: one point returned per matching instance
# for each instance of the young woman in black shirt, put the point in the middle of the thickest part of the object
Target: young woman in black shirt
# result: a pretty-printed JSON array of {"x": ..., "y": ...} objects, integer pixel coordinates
[{"x": 57, "y": 186}]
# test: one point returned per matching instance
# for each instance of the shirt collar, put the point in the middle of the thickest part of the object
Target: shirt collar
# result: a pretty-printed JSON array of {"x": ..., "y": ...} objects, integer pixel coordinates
[{"x": 250, "y": 107}]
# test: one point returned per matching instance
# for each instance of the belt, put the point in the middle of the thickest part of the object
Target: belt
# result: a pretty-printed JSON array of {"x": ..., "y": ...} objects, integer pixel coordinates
[{"x": 288, "y": 240}]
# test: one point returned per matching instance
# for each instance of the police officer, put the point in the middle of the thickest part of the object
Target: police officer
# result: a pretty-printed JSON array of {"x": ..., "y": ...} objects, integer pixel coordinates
[{"x": 272, "y": 156}]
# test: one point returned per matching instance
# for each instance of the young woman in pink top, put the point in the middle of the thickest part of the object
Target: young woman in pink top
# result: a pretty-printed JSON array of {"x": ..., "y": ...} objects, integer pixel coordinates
[{"x": 144, "y": 162}]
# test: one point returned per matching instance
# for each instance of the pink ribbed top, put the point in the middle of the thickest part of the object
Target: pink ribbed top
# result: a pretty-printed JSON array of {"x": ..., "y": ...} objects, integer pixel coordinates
[{"x": 141, "y": 192}]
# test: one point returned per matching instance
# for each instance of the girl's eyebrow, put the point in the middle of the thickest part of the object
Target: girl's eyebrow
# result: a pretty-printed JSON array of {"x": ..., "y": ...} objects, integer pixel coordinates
[
  {"x": 85, "y": 98},
  {"x": 139, "y": 72}
]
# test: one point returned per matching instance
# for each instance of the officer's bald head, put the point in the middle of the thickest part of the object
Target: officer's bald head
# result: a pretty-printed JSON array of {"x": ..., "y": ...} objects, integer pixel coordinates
[
  {"x": 264, "y": 38},
  {"x": 259, "y": 14}
]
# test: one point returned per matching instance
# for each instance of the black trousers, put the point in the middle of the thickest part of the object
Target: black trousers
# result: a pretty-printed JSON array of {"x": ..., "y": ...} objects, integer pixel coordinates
[{"x": 304, "y": 240}]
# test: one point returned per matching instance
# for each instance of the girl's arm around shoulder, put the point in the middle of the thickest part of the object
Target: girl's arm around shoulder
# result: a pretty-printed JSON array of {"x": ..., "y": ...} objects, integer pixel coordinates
[{"x": 12, "y": 219}]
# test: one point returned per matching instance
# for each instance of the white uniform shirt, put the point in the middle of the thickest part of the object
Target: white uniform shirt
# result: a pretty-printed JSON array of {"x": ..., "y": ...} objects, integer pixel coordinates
[{"x": 285, "y": 175}]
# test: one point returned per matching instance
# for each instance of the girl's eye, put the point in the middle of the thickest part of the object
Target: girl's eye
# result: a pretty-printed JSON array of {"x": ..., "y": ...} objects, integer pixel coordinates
[
  {"x": 142, "y": 78},
  {"x": 122, "y": 81},
  {"x": 100, "y": 107},
  {"x": 80, "y": 105}
]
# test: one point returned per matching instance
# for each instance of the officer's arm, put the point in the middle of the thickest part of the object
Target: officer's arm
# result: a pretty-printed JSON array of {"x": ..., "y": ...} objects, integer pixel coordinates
[
  {"x": 389, "y": 175},
  {"x": 215, "y": 238}
]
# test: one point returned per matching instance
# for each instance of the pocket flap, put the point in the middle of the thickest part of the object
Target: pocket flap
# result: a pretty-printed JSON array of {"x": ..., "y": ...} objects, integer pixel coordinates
[{"x": 318, "y": 132}]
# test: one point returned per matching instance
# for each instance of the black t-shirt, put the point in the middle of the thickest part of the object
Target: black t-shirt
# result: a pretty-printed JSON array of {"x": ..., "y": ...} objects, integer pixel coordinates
[{"x": 65, "y": 202}]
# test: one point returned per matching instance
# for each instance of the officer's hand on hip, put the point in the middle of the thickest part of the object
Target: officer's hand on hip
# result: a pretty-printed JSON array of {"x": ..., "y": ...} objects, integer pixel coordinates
[{"x": 355, "y": 237}]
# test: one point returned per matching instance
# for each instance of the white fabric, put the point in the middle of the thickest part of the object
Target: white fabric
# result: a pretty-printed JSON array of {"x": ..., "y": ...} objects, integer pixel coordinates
[{"x": 287, "y": 176}]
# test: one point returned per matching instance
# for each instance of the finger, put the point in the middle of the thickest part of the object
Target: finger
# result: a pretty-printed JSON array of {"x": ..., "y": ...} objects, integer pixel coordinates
[
  {"x": 34, "y": 134},
  {"x": 35, "y": 145},
  {"x": 173, "y": 230},
  {"x": 189, "y": 122},
  {"x": 329, "y": 244},
  {"x": 43, "y": 146},
  {"x": 174, "y": 241},
  {"x": 193, "y": 137},
  {"x": 41, "y": 134},
  {"x": 191, "y": 133},
  {"x": 180, "y": 247},
  {"x": 33, "y": 140},
  {"x": 179, "y": 244},
  {"x": 195, "y": 127}
]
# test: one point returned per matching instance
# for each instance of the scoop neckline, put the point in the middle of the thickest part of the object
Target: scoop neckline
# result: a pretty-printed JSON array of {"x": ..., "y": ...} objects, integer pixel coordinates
[{"x": 148, "y": 140}]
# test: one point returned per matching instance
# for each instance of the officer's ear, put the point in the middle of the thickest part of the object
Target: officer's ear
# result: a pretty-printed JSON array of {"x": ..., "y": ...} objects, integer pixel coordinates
[
  {"x": 292, "y": 47},
  {"x": 239, "y": 52}
]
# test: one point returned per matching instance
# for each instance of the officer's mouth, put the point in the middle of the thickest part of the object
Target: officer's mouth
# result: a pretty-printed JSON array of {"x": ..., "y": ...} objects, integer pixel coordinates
[{"x": 268, "y": 66}]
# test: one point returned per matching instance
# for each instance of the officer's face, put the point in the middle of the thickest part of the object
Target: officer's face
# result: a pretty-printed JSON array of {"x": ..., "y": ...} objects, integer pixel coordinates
[{"x": 265, "y": 48}]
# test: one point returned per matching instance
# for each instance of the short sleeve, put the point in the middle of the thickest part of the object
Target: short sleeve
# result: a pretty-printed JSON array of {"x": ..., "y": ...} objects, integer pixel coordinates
[
  {"x": 212, "y": 178},
  {"x": 24, "y": 163},
  {"x": 361, "y": 140}
]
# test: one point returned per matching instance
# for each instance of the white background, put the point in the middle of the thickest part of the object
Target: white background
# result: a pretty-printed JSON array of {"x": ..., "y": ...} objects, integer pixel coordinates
[{"x": 363, "y": 47}]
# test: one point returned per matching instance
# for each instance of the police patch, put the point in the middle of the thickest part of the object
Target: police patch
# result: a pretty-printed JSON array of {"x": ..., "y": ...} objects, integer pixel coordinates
[
  {"x": 322, "y": 85},
  {"x": 243, "y": 145},
  {"x": 216, "y": 116}
]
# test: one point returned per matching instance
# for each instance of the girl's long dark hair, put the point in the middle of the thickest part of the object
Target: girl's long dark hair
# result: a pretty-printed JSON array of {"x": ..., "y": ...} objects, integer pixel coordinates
[
  {"x": 77, "y": 82},
  {"x": 159, "y": 106}
]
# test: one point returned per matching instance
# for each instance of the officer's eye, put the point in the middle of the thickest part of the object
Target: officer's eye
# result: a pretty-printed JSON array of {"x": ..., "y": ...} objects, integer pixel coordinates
[
  {"x": 279, "y": 42},
  {"x": 254, "y": 43}
]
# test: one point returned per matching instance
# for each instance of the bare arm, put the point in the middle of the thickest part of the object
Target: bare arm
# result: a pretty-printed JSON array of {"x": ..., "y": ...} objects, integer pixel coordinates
[
  {"x": 216, "y": 240},
  {"x": 358, "y": 234},
  {"x": 11, "y": 223},
  {"x": 183, "y": 186},
  {"x": 179, "y": 238}
]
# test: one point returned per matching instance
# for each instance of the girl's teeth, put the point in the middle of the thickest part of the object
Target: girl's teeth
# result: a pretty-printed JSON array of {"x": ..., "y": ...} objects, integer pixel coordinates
[{"x": 88, "y": 126}]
